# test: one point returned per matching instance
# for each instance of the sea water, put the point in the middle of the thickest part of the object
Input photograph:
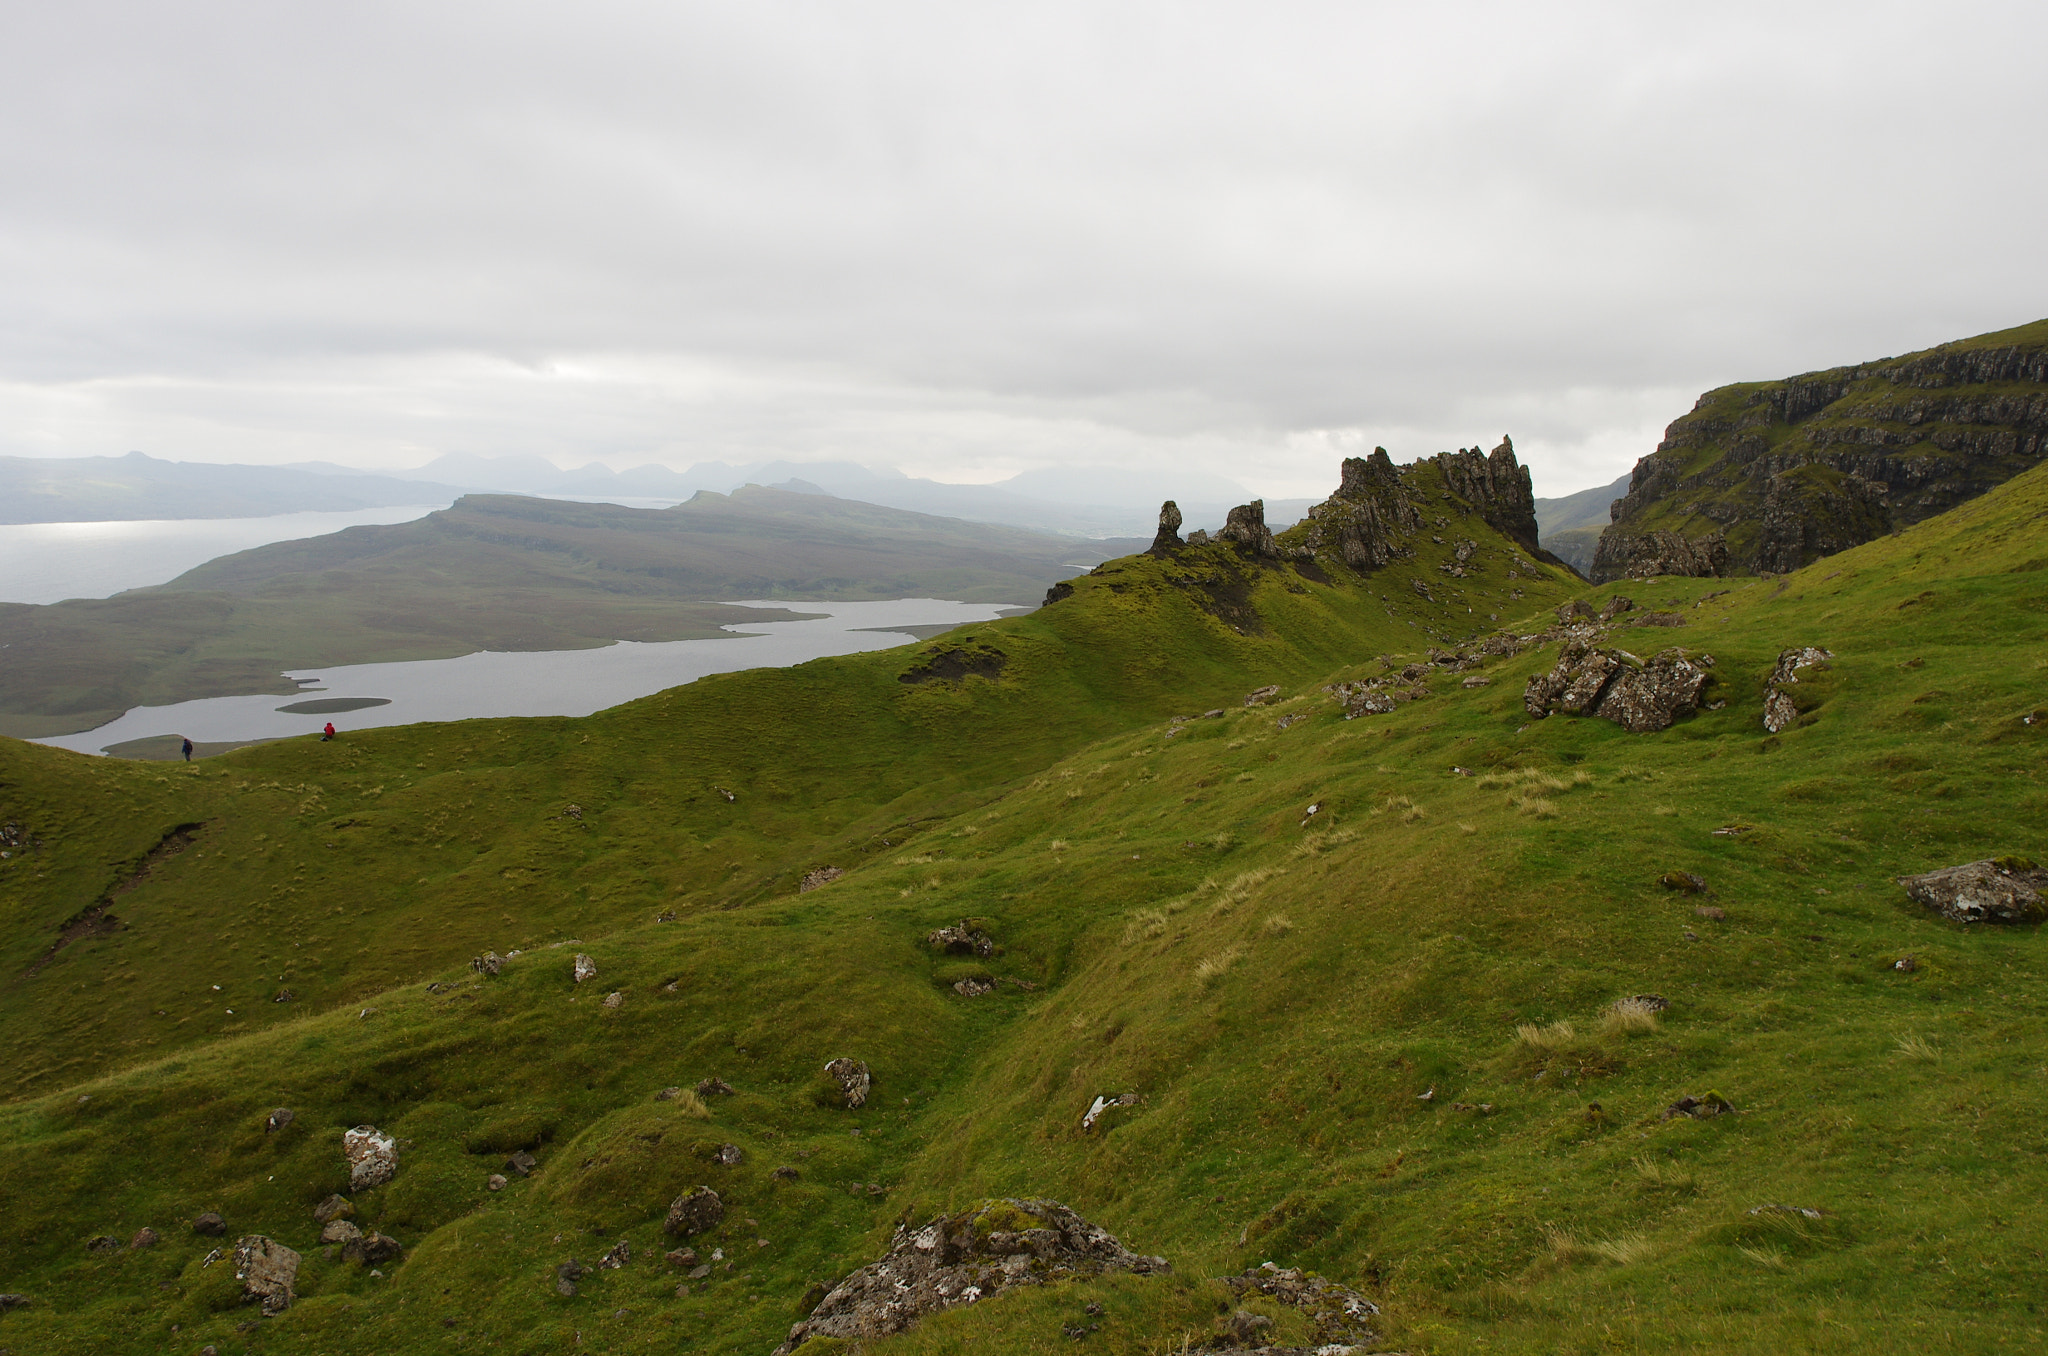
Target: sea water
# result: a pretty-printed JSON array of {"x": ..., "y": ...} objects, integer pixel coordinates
[{"x": 537, "y": 683}]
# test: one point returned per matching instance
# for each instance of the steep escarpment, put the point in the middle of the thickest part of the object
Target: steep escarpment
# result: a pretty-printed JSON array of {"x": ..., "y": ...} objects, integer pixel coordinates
[{"x": 1771, "y": 476}]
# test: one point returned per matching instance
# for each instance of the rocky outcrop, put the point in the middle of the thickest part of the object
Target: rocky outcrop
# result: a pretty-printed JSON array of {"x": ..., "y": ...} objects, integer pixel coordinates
[
  {"x": 372, "y": 1157},
  {"x": 961, "y": 1259},
  {"x": 2001, "y": 890},
  {"x": 1246, "y": 525},
  {"x": 1639, "y": 695},
  {"x": 1169, "y": 529},
  {"x": 1645, "y": 555},
  {"x": 1791, "y": 471},
  {"x": 1498, "y": 486},
  {"x": 1367, "y": 522},
  {"x": 961, "y": 939},
  {"x": 1337, "y": 1314},
  {"x": 1779, "y": 709},
  {"x": 267, "y": 1270},
  {"x": 852, "y": 1077}
]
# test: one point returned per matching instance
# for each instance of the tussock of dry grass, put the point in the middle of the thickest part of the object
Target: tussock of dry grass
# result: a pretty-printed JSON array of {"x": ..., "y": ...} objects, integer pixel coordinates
[
  {"x": 1628, "y": 1016},
  {"x": 1144, "y": 924},
  {"x": 688, "y": 1103},
  {"x": 1217, "y": 966},
  {"x": 1556, "y": 1036},
  {"x": 1916, "y": 1047},
  {"x": 1565, "y": 1249},
  {"x": 1536, "y": 807},
  {"x": 1652, "y": 1175},
  {"x": 1525, "y": 777},
  {"x": 1277, "y": 925}
]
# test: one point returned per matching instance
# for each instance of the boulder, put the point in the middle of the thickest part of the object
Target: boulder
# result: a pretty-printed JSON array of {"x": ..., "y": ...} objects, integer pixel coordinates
[
  {"x": 583, "y": 967},
  {"x": 372, "y": 1157},
  {"x": 694, "y": 1212},
  {"x": 333, "y": 1208},
  {"x": 104, "y": 1243},
  {"x": 621, "y": 1253},
  {"x": 12, "y": 1301},
  {"x": 278, "y": 1119},
  {"x": 145, "y": 1237},
  {"x": 614, "y": 999},
  {"x": 210, "y": 1224},
  {"x": 1263, "y": 695},
  {"x": 495, "y": 1182},
  {"x": 1576, "y": 610},
  {"x": 522, "y": 1163},
  {"x": 2001, "y": 890},
  {"x": 1779, "y": 710},
  {"x": 267, "y": 1270},
  {"x": 962, "y": 939},
  {"x": 1246, "y": 525},
  {"x": 682, "y": 1258},
  {"x": 566, "y": 1276},
  {"x": 958, "y": 1259},
  {"x": 728, "y": 1155},
  {"x": 714, "y": 1087},
  {"x": 974, "y": 986},
  {"x": 1639, "y": 695},
  {"x": 1685, "y": 882},
  {"x": 372, "y": 1249},
  {"x": 853, "y": 1080},
  {"x": 1615, "y": 607},
  {"x": 824, "y": 875},
  {"x": 339, "y": 1231},
  {"x": 490, "y": 963}
]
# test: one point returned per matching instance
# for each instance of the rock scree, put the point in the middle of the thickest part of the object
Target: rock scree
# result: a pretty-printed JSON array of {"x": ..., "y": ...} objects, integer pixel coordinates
[
  {"x": 961, "y": 1258},
  {"x": 2000, "y": 890}
]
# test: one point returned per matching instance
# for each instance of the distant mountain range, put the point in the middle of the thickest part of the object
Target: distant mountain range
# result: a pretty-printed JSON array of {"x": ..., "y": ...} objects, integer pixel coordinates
[
  {"x": 1569, "y": 527},
  {"x": 1067, "y": 501}
]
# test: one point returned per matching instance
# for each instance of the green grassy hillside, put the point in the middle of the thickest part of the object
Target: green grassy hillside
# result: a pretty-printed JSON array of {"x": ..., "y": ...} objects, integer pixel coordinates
[
  {"x": 495, "y": 572},
  {"x": 1369, "y": 1040}
]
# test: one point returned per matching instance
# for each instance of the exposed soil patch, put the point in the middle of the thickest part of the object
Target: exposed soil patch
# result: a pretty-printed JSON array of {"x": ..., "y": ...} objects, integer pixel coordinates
[
  {"x": 95, "y": 920},
  {"x": 950, "y": 666}
]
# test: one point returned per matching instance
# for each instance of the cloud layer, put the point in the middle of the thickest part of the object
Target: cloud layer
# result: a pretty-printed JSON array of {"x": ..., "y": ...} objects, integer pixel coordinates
[{"x": 970, "y": 240}]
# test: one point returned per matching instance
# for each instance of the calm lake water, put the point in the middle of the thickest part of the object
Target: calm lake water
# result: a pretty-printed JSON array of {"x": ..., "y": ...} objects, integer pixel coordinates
[
  {"x": 543, "y": 683},
  {"x": 49, "y": 562}
]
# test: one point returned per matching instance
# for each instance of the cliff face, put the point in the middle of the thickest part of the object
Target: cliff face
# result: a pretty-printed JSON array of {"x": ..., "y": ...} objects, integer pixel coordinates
[{"x": 1785, "y": 472}]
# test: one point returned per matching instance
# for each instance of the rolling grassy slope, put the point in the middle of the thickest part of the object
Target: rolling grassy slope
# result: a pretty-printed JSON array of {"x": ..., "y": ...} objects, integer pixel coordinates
[{"x": 1281, "y": 989}]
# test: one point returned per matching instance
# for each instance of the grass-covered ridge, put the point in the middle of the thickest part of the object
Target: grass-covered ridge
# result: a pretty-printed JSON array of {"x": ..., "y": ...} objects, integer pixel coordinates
[{"x": 1279, "y": 988}]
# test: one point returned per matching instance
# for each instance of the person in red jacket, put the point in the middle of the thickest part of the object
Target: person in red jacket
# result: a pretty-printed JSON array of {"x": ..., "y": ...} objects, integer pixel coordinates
[{"x": 329, "y": 734}]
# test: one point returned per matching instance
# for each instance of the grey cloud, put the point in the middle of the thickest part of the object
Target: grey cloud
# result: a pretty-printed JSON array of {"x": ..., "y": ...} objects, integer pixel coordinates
[{"x": 973, "y": 240}]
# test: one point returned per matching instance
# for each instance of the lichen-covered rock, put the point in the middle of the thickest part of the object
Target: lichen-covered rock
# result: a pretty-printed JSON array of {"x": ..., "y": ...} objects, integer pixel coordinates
[
  {"x": 853, "y": 1079},
  {"x": 1367, "y": 522},
  {"x": 372, "y": 1157},
  {"x": 1639, "y": 695},
  {"x": 582, "y": 968},
  {"x": 267, "y": 1270},
  {"x": 694, "y": 1212},
  {"x": 959, "y": 1259},
  {"x": 961, "y": 939},
  {"x": 1779, "y": 711},
  {"x": 2002, "y": 890}
]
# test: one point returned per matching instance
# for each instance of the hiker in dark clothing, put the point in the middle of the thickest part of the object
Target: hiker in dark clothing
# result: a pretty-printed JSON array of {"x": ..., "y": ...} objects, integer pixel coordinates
[
  {"x": 330, "y": 733},
  {"x": 188, "y": 750}
]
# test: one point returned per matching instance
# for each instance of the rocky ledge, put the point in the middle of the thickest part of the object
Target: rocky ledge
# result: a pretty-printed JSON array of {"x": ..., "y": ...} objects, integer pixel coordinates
[{"x": 961, "y": 1258}]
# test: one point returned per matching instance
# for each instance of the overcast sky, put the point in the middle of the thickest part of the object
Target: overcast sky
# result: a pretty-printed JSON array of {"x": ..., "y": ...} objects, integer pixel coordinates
[{"x": 968, "y": 239}]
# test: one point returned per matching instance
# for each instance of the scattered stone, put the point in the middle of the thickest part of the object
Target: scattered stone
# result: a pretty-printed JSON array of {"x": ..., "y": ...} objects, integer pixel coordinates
[
  {"x": 1336, "y": 1313},
  {"x": 285, "y": 996},
  {"x": 621, "y": 1253},
  {"x": 1638, "y": 695},
  {"x": 1476, "y": 681},
  {"x": 12, "y": 1301},
  {"x": 583, "y": 967},
  {"x": 1779, "y": 711},
  {"x": 1262, "y": 695},
  {"x": 2001, "y": 890},
  {"x": 974, "y": 987},
  {"x": 961, "y": 1258},
  {"x": 693, "y": 1213},
  {"x": 668, "y": 1094},
  {"x": 145, "y": 1237},
  {"x": 962, "y": 939},
  {"x": 1574, "y": 610},
  {"x": 853, "y": 1080},
  {"x": 566, "y": 1276},
  {"x": 824, "y": 875},
  {"x": 728, "y": 1155},
  {"x": 339, "y": 1231},
  {"x": 522, "y": 1163},
  {"x": 1661, "y": 619},
  {"x": 372, "y": 1249},
  {"x": 1712, "y": 913},
  {"x": 786, "y": 1173},
  {"x": 1772, "y": 1207},
  {"x": 334, "y": 1207},
  {"x": 700, "y": 1272},
  {"x": 372, "y": 1157},
  {"x": 495, "y": 1182},
  {"x": 1905, "y": 965},
  {"x": 614, "y": 999},
  {"x": 278, "y": 1119},
  {"x": 1684, "y": 882},
  {"x": 1644, "y": 1002},
  {"x": 104, "y": 1243},
  {"x": 1700, "y": 1108},
  {"x": 1615, "y": 607},
  {"x": 1244, "y": 1325},
  {"x": 1104, "y": 1103},
  {"x": 490, "y": 963},
  {"x": 210, "y": 1224},
  {"x": 267, "y": 1270},
  {"x": 682, "y": 1258},
  {"x": 714, "y": 1087}
]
